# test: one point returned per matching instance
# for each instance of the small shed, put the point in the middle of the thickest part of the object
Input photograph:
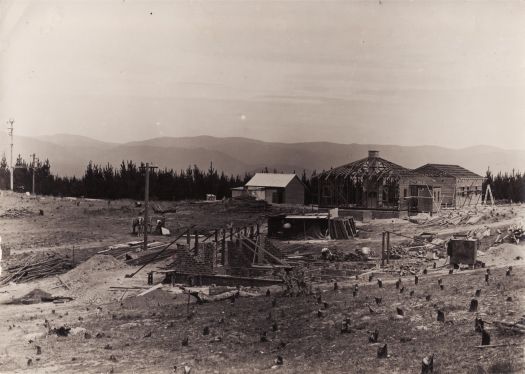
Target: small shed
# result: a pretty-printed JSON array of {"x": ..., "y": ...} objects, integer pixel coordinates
[{"x": 276, "y": 188}]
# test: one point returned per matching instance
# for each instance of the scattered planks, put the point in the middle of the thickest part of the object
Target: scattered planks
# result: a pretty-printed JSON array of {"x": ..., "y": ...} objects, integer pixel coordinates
[
  {"x": 132, "y": 252},
  {"x": 36, "y": 267},
  {"x": 141, "y": 258},
  {"x": 342, "y": 228},
  {"x": 510, "y": 327}
]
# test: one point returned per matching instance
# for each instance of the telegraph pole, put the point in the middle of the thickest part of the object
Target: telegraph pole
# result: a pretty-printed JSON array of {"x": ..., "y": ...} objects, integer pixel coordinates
[
  {"x": 146, "y": 203},
  {"x": 10, "y": 133},
  {"x": 34, "y": 165}
]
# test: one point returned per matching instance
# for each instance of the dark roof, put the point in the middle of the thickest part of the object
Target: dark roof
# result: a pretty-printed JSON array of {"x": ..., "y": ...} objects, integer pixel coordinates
[
  {"x": 368, "y": 168},
  {"x": 443, "y": 170}
]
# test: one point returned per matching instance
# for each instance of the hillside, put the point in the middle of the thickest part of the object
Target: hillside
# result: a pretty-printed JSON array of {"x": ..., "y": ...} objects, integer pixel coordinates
[{"x": 69, "y": 154}]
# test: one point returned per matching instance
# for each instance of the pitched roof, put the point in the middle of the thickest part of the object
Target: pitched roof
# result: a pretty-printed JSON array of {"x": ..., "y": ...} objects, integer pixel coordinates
[
  {"x": 270, "y": 180},
  {"x": 367, "y": 168},
  {"x": 443, "y": 170}
]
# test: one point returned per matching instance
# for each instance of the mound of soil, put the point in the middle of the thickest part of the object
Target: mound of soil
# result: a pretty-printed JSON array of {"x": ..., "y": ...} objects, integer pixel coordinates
[
  {"x": 94, "y": 264},
  {"x": 506, "y": 253},
  {"x": 88, "y": 281}
]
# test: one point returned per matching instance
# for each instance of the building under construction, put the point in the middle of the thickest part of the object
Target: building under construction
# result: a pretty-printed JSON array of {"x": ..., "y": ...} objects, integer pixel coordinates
[
  {"x": 378, "y": 184},
  {"x": 460, "y": 187}
]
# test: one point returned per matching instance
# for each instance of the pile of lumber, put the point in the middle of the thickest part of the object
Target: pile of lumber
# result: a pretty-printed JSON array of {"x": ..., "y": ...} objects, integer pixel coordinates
[
  {"x": 142, "y": 258},
  {"x": 36, "y": 267},
  {"x": 133, "y": 254},
  {"x": 342, "y": 228}
]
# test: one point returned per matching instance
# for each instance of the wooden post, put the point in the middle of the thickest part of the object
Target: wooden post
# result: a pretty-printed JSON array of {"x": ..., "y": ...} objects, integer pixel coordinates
[
  {"x": 226, "y": 253},
  {"x": 216, "y": 248},
  {"x": 260, "y": 254},
  {"x": 34, "y": 165},
  {"x": 231, "y": 234},
  {"x": 223, "y": 244},
  {"x": 304, "y": 229},
  {"x": 388, "y": 247},
  {"x": 257, "y": 229},
  {"x": 188, "y": 238},
  {"x": 196, "y": 242},
  {"x": 383, "y": 251},
  {"x": 146, "y": 203}
]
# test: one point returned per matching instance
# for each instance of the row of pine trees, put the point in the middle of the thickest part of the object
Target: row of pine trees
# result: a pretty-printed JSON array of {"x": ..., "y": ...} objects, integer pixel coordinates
[{"x": 127, "y": 181}]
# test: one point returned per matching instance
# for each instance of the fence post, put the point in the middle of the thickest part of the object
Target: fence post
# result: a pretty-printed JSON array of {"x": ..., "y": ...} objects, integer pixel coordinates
[
  {"x": 388, "y": 247},
  {"x": 383, "y": 251},
  {"x": 224, "y": 247},
  {"x": 196, "y": 243}
]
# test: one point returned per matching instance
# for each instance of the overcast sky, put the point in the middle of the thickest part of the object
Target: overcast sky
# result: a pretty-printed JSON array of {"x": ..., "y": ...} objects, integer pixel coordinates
[{"x": 448, "y": 73}]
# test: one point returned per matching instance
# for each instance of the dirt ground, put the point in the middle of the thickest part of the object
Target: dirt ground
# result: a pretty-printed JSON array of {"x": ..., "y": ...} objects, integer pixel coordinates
[{"x": 114, "y": 330}]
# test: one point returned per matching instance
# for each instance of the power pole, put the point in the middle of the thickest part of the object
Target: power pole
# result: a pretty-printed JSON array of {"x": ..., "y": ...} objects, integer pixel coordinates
[
  {"x": 34, "y": 166},
  {"x": 146, "y": 203},
  {"x": 10, "y": 133}
]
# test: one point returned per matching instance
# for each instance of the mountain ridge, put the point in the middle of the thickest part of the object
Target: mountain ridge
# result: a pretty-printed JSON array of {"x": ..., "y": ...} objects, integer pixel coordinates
[{"x": 69, "y": 154}]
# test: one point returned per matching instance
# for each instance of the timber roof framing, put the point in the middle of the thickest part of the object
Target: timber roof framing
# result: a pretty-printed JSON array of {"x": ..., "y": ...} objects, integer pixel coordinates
[{"x": 369, "y": 168}]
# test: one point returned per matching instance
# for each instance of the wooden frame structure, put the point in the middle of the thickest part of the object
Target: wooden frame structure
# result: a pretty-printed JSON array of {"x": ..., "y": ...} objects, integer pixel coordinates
[{"x": 375, "y": 183}]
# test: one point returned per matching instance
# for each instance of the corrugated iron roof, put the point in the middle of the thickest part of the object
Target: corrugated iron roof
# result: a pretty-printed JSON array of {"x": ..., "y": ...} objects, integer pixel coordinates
[
  {"x": 444, "y": 170},
  {"x": 270, "y": 180}
]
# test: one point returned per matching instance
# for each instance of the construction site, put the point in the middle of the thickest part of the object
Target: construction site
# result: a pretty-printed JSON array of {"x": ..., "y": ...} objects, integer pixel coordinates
[
  {"x": 242, "y": 285},
  {"x": 231, "y": 187}
]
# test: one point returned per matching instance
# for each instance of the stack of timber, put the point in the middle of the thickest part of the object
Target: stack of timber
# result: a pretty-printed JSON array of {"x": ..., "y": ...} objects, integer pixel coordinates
[
  {"x": 342, "y": 228},
  {"x": 144, "y": 257},
  {"x": 36, "y": 267},
  {"x": 133, "y": 254}
]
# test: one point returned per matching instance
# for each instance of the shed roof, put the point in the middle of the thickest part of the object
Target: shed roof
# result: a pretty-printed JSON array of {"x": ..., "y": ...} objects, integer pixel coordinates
[
  {"x": 271, "y": 180},
  {"x": 444, "y": 170}
]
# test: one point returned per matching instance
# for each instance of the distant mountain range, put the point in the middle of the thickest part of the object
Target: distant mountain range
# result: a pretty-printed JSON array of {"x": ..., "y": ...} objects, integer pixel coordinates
[{"x": 69, "y": 154}]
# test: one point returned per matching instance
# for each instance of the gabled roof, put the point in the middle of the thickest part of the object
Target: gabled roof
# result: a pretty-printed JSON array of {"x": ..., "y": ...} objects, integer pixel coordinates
[
  {"x": 443, "y": 170},
  {"x": 368, "y": 168},
  {"x": 271, "y": 180}
]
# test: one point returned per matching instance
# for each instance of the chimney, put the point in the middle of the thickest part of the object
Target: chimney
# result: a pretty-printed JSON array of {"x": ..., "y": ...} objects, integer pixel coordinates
[{"x": 373, "y": 154}]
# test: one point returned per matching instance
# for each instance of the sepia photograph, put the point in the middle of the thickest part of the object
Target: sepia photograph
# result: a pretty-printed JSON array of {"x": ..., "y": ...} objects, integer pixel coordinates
[{"x": 262, "y": 186}]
